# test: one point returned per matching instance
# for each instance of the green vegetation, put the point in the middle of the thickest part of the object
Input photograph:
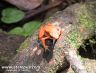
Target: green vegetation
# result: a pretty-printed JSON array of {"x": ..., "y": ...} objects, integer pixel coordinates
[
  {"x": 84, "y": 17},
  {"x": 24, "y": 45},
  {"x": 17, "y": 31},
  {"x": 27, "y": 30},
  {"x": 12, "y": 15},
  {"x": 74, "y": 39}
]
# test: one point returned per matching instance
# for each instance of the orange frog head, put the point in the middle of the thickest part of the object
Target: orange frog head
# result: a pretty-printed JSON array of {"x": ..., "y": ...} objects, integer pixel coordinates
[{"x": 48, "y": 34}]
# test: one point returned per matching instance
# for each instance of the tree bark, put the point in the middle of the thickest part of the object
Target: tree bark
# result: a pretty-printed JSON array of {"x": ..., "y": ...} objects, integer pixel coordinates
[
  {"x": 8, "y": 46},
  {"x": 26, "y": 4},
  {"x": 78, "y": 22}
]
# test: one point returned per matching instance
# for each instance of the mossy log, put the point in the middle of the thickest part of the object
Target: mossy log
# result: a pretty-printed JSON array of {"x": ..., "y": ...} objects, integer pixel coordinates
[{"x": 78, "y": 22}]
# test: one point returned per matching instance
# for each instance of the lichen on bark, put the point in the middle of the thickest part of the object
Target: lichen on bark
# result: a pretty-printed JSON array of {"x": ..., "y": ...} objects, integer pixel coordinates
[
  {"x": 85, "y": 17},
  {"x": 85, "y": 22}
]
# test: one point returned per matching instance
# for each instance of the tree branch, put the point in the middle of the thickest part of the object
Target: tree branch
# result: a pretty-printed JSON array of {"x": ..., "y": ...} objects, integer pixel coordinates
[{"x": 77, "y": 23}]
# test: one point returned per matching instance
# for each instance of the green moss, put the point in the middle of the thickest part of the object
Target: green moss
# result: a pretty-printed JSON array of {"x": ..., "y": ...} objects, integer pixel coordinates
[
  {"x": 84, "y": 17},
  {"x": 24, "y": 45},
  {"x": 50, "y": 71},
  {"x": 74, "y": 39}
]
